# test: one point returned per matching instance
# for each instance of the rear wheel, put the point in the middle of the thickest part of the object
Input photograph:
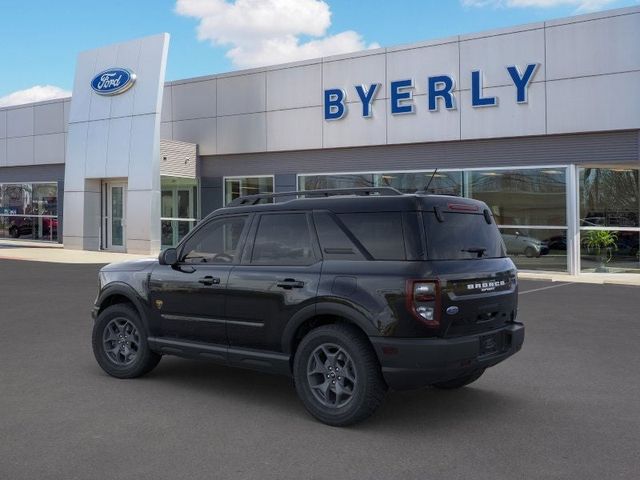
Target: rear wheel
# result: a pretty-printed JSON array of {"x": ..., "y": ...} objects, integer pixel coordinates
[
  {"x": 337, "y": 375},
  {"x": 531, "y": 252},
  {"x": 120, "y": 343},
  {"x": 460, "y": 381}
]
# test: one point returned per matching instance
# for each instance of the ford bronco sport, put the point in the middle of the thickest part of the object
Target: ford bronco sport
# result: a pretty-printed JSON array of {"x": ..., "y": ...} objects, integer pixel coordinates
[{"x": 350, "y": 292}]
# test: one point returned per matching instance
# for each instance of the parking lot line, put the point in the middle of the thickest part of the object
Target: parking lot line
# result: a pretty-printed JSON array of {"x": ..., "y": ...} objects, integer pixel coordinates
[{"x": 545, "y": 288}]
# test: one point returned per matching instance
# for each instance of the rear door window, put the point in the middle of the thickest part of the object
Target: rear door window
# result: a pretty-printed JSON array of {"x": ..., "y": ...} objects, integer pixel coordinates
[
  {"x": 462, "y": 236},
  {"x": 380, "y": 233},
  {"x": 283, "y": 239}
]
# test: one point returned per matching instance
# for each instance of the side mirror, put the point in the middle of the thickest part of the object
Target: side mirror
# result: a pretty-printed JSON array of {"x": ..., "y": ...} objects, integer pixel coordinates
[{"x": 168, "y": 256}]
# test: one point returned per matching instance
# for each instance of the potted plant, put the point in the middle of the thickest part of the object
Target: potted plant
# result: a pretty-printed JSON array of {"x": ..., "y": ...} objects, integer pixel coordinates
[{"x": 604, "y": 242}]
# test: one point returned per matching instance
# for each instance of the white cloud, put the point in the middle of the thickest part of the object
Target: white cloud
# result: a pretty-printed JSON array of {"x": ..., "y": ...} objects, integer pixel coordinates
[
  {"x": 37, "y": 93},
  {"x": 265, "y": 32},
  {"x": 580, "y": 5}
]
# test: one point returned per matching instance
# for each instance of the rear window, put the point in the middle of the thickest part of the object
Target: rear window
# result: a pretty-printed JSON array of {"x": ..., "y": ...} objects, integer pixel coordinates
[
  {"x": 379, "y": 233},
  {"x": 462, "y": 236}
]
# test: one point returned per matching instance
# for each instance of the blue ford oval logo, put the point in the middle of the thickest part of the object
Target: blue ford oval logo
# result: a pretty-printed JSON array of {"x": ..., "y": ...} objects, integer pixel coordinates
[
  {"x": 113, "y": 81},
  {"x": 452, "y": 310}
]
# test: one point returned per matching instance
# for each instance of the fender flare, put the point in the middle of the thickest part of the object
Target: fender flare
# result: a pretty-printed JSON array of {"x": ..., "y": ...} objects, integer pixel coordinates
[
  {"x": 127, "y": 291},
  {"x": 350, "y": 314}
]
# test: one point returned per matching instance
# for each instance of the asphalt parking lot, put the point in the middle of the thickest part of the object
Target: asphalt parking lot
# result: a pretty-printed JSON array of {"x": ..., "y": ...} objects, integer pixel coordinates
[{"x": 567, "y": 406}]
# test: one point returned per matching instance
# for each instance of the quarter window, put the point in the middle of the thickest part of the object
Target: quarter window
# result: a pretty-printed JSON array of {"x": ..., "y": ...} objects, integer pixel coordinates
[
  {"x": 380, "y": 233},
  {"x": 216, "y": 242},
  {"x": 283, "y": 239}
]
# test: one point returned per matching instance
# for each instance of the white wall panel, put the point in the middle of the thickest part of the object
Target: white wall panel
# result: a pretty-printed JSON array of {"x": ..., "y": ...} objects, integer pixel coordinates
[
  {"x": 75, "y": 158},
  {"x": 242, "y": 94},
  {"x": 48, "y": 118},
  {"x": 572, "y": 105},
  {"x": 297, "y": 129},
  {"x": 356, "y": 130},
  {"x": 420, "y": 63},
  {"x": 167, "y": 107},
  {"x": 242, "y": 133},
  {"x": 348, "y": 73},
  {"x": 508, "y": 119},
  {"x": 106, "y": 57},
  {"x": 97, "y": 141},
  {"x": 49, "y": 148},
  {"x": 20, "y": 122},
  {"x": 118, "y": 147},
  {"x": 66, "y": 108},
  {"x": 201, "y": 131},
  {"x": 19, "y": 151},
  {"x": 166, "y": 131},
  {"x": 492, "y": 55},
  {"x": 194, "y": 100},
  {"x": 423, "y": 125},
  {"x": 3, "y": 124},
  {"x": 294, "y": 87},
  {"x": 128, "y": 54},
  {"x": 590, "y": 48},
  {"x": 145, "y": 144},
  {"x": 85, "y": 68},
  {"x": 150, "y": 74}
]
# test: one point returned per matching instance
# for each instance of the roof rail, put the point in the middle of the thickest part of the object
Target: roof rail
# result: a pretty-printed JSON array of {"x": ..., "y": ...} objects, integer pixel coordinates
[{"x": 255, "y": 199}]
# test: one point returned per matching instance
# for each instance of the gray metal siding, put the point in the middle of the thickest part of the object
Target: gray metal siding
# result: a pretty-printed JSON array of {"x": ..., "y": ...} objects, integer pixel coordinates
[
  {"x": 33, "y": 173},
  {"x": 607, "y": 147},
  {"x": 178, "y": 159}
]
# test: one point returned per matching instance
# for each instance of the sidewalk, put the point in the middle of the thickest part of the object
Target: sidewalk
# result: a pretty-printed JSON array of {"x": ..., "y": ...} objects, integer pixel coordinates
[{"x": 55, "y": 253}]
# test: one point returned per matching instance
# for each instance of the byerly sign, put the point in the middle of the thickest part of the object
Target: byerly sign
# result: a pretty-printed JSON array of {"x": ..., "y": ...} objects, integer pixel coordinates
[
  {"x": 113, "y": 81},
  {"x": 440, "y": 90}
]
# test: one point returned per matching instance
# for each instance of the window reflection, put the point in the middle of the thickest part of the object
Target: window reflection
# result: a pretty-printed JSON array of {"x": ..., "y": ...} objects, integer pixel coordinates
[
  {"x": 536, "y": 249},
  {"x": 609, "y": 197},
  {"x": 243, "y": 186},
  {"x": 28, "y": 211},
  {"x": 522, "y": 196}
]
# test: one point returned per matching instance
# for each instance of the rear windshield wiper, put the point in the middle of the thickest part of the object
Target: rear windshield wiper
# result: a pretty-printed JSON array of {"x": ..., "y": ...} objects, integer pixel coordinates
[{"x": 479, "y": 250}]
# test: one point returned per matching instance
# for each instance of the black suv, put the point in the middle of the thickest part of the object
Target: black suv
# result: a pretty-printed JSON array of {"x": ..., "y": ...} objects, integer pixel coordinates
[{"x": 349, "y": 292}]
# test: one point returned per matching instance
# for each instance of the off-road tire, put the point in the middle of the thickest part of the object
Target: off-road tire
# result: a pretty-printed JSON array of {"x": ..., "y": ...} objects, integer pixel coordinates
[
  {"x": 144, "y": 361},
  {"x": 369, "y": 388}
]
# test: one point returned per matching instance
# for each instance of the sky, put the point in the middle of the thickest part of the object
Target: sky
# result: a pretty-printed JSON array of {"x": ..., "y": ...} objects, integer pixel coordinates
[{"x": 40, "y": 39}]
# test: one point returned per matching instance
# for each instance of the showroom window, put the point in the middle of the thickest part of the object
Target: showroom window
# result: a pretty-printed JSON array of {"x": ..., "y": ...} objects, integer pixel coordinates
[
  {"x": 29, "y": 211},
  {"x": 609, "y": 219},
  {"x": 178, "y": 208},
  {"x": 235, "y": 187},
  {"x": 440, "y": 182},
  {"x": 530, "y": 208}
]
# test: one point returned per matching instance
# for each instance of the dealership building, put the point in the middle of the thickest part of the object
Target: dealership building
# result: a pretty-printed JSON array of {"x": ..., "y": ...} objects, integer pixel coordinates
[{"x": 540, "y": 121}]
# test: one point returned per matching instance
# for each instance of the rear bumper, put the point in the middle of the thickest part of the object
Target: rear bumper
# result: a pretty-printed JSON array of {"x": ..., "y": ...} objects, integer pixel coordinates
[{"x": 417, "y": 362}]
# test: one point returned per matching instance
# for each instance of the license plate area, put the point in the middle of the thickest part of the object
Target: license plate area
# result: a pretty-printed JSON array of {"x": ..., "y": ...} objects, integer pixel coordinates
[{"x": 491, "y": 344}]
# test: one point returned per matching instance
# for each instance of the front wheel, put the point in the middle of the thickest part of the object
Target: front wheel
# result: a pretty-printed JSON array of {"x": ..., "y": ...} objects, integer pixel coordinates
[
  {"x": 120, "y": 343},
  {"x": 337, "y": 375},
  {"x": 531, "y": 252},
  {"x": 460, "y": 381}
]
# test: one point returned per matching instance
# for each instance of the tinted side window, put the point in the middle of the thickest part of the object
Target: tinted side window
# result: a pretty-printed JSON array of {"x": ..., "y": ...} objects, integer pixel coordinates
[
  {"x": 380, "y": 233},
  {"x": 283, "y": 239},
  {"x": 216, "y": 242},
  {"x": 334, "y": 242}
]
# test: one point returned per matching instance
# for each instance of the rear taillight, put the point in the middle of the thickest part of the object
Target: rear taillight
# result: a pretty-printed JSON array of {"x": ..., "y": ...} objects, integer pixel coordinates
[{"x": 423, "y": 301}]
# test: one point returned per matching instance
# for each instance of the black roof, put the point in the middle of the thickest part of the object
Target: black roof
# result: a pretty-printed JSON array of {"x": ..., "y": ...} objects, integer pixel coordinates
[{"x": 356, "y": 202}]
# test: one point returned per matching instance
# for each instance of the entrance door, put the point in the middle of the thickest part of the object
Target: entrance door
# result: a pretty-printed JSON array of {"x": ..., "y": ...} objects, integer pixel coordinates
[{"x": 115, "y": 221}]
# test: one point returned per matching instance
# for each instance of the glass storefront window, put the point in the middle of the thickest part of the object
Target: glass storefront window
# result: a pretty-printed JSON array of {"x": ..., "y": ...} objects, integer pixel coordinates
[
  {"x": 235, "y": 187},
  {"x": 536, "y": 249},
  {"x": 28, "y": 211},
  {"x": 178, "y": 207},
  {"x": 609, "y": 197},
  {"x": 444, "y": 183},
  {"x": 609, "y": 251},
  {"x": 522, "y": 196}
]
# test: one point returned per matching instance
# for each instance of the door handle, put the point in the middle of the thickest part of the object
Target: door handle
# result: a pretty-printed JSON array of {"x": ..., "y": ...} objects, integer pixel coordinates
[
  {"x": 209, "y": 280},
  {"x": 289, "y": 283}
]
